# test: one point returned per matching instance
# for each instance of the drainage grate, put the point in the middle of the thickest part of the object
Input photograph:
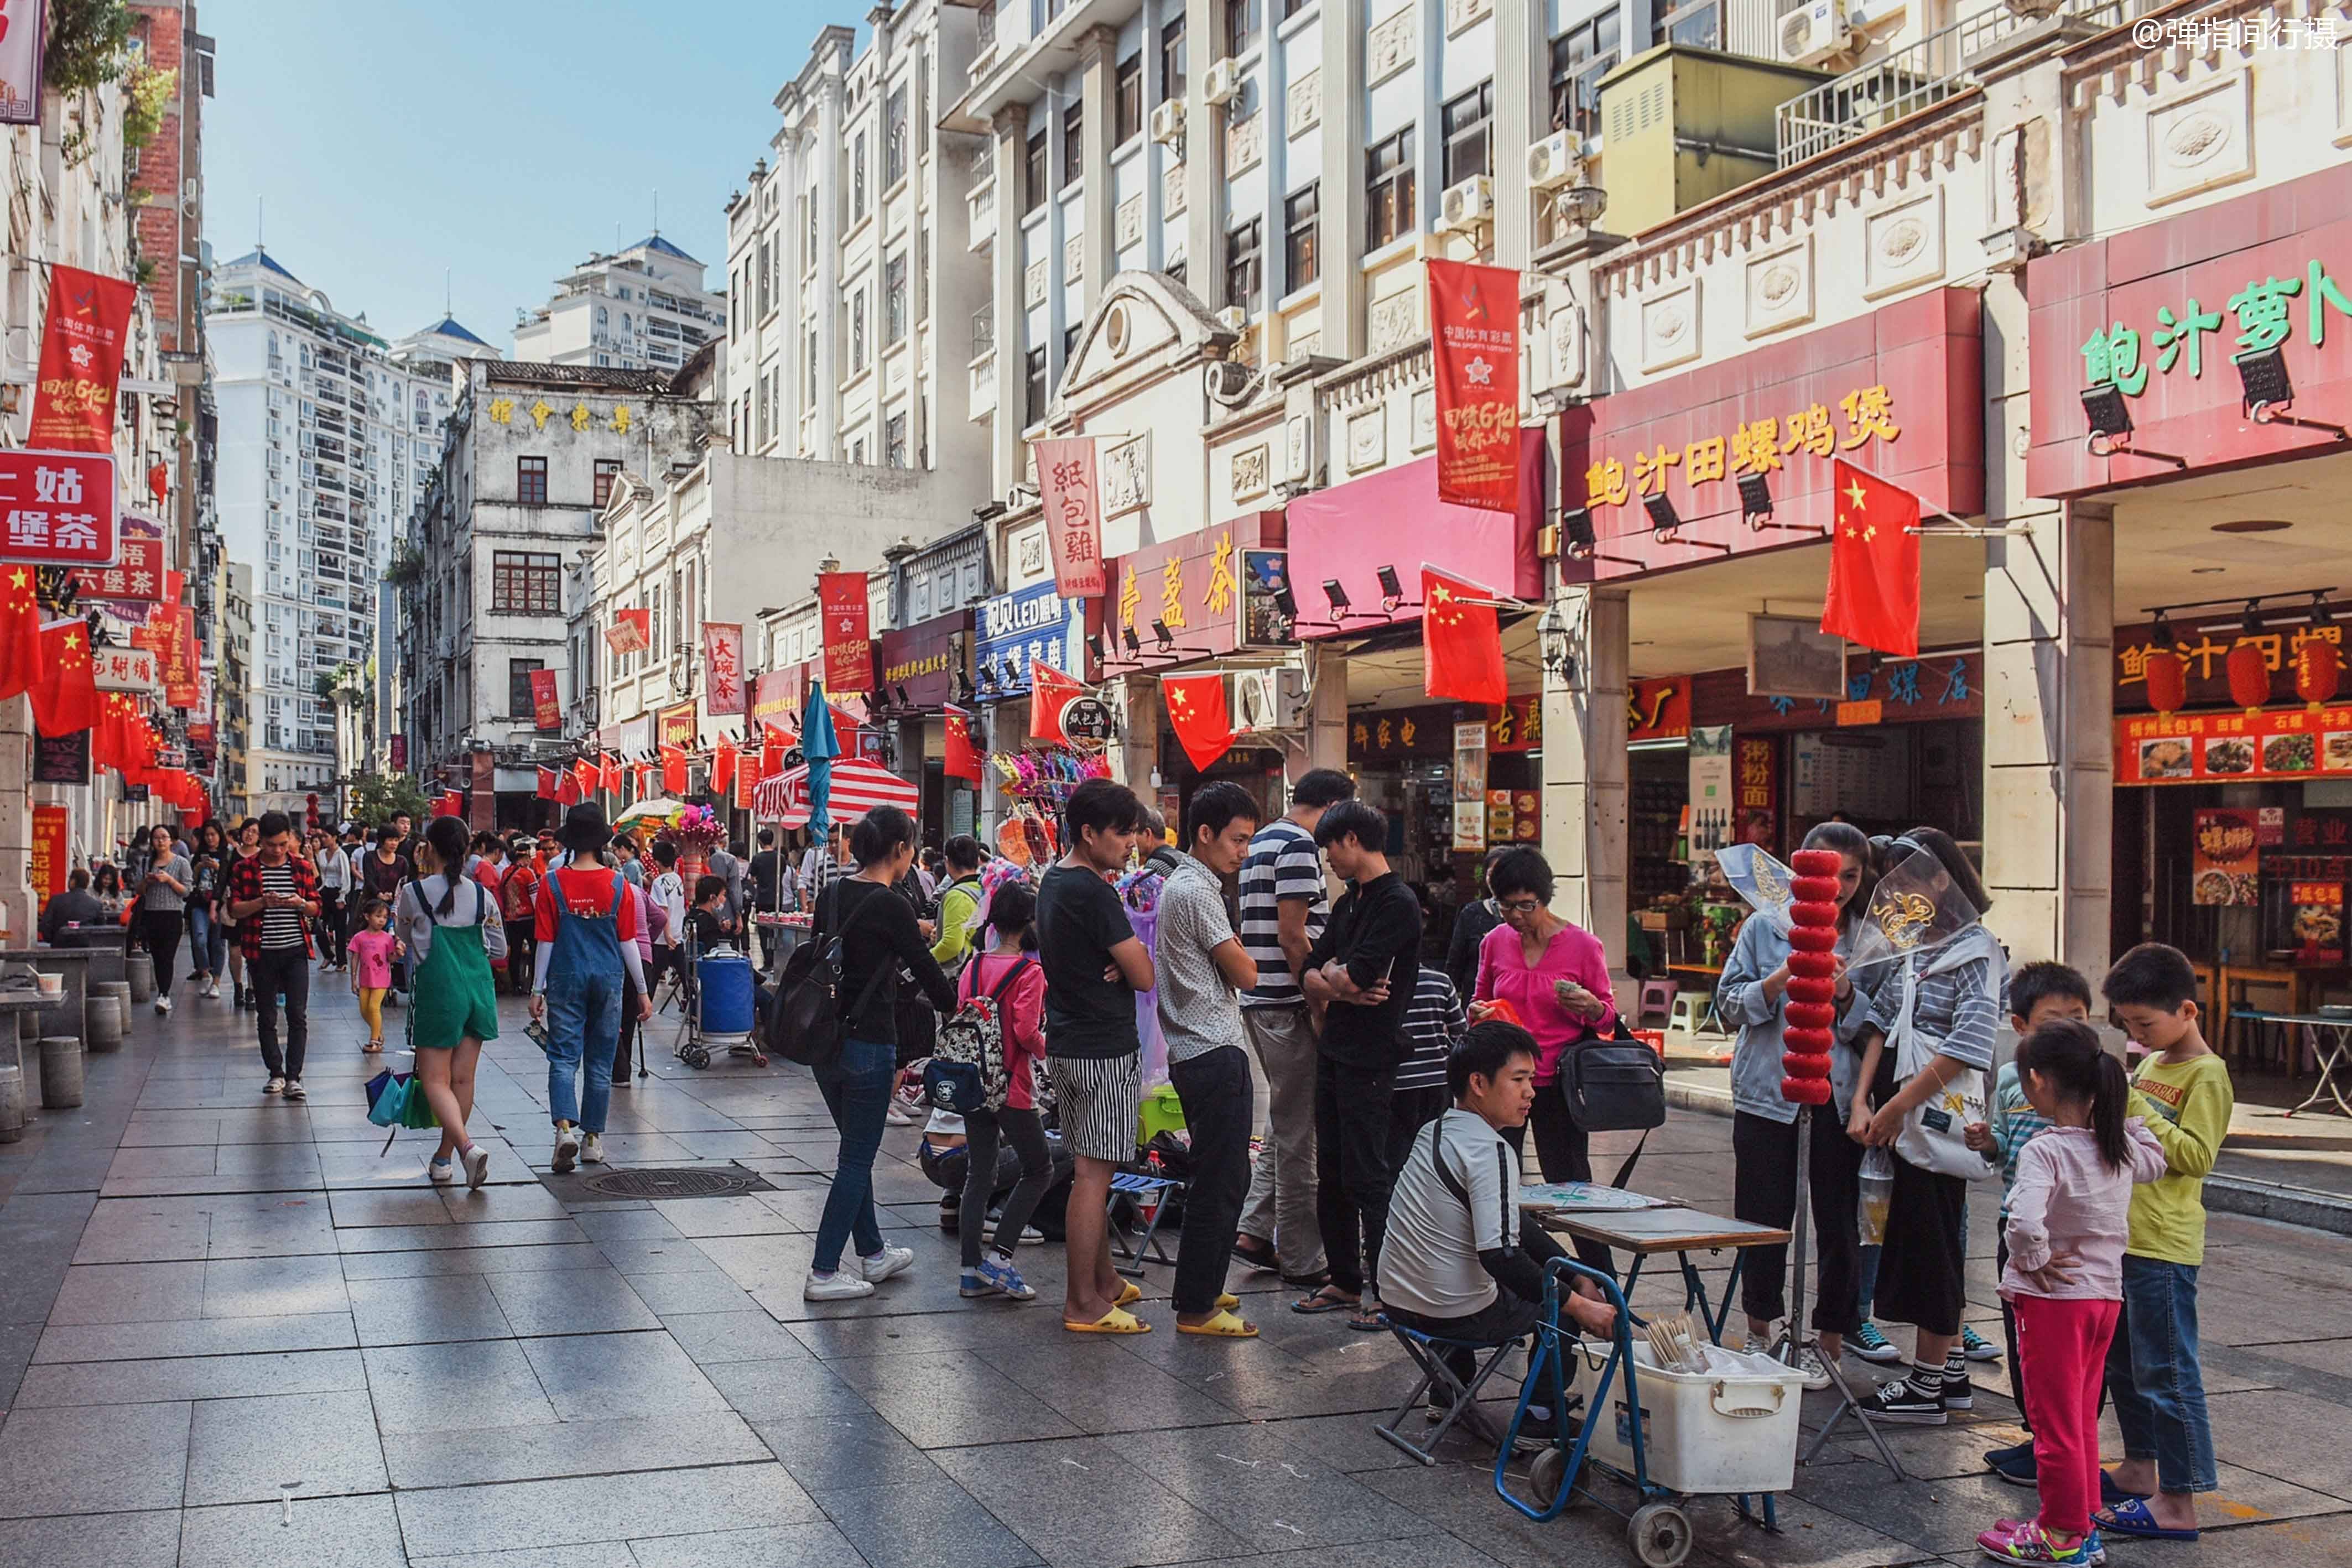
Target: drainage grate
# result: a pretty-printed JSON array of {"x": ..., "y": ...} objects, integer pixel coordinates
[{"x": 685, "y": 1181}]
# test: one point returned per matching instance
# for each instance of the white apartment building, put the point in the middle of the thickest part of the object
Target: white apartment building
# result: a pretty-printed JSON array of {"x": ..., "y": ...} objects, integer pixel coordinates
[
  {"x": 853, "y": 300},
  {"x": 327, "y": 434},
  {"x": 641, "y": 308}
]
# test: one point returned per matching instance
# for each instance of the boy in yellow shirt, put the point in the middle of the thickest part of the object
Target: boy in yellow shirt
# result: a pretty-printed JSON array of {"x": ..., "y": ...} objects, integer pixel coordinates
[{"x": 2182, "y": 1093}]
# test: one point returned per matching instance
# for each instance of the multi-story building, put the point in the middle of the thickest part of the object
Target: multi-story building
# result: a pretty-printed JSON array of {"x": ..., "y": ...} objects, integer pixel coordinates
[
  {"x": 642, "y": 309},
  {"x": 527, "y": 465},
  {"x": 233, "y": 684},
  {"x": 852, "y": 298},
  {"x": 328, "y": 433}
]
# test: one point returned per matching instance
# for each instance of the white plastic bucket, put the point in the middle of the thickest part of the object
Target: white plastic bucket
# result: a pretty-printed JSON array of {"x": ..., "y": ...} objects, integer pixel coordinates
[{"x": 1732, "y": 1428}]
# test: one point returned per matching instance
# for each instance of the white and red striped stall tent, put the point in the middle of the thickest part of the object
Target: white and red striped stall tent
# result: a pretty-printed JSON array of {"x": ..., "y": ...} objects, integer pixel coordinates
[{"x": 858, "y": 786}]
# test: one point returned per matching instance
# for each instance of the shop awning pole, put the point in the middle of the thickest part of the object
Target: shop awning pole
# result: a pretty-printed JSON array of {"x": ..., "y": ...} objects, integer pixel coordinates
[{"x": 1961, "y": 527}]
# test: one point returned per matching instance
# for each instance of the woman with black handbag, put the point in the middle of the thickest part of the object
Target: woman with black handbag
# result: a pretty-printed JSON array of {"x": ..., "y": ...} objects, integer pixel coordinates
[{"x": 1550, "y": 978}]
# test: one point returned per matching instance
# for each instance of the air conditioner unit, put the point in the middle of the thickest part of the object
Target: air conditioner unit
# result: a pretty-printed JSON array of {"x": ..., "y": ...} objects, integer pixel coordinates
[
  {"x": 1467, "y": 206},
  {"x": 1168, "y": 123},
  {"x": 1556, "y": 161},
  {"x": 1878, "y": 15},
  {"x": 1223, "y": 82},
  {"x": 1233, "y": 318},
  {"x": 1815, "y": 33},
  {"x": 1263, "y": 701}
]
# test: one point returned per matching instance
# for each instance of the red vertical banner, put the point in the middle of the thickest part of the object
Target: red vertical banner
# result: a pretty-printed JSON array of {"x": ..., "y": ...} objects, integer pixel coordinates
[
  {"x": 183, "y": 662},
  {"x": 1073, "y": 505},
  {"x": 546, "y": 710},
  {"x": 51, "y": 851},
  {"x": 81, "y": 361},
  {"x": 722, "y": 668},
  {"x": 1473, "y": 328},
  {"x": 848, "y": 640},
  {"x": 747, "y": 780}
]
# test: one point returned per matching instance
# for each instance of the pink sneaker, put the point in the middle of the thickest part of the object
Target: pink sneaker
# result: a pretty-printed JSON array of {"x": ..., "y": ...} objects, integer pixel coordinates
[{"x": 2023, "y": 1540}]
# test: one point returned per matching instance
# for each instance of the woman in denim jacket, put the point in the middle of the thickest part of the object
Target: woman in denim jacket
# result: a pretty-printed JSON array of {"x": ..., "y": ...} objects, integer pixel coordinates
[{"x": 1751, "y": 994}]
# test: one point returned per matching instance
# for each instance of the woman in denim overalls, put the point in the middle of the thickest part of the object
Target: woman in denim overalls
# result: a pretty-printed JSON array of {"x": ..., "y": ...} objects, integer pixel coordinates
[{"x": 587, "y": 950}]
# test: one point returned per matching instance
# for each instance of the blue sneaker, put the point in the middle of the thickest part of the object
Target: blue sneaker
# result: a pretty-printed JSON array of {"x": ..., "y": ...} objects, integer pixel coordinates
[
  {"x": 973, "y": 1286},
  {"x": 1976, "y": 1347},
  {"x": 1867, "y": 1342},
  {"x": 1005, "y": 1279}
]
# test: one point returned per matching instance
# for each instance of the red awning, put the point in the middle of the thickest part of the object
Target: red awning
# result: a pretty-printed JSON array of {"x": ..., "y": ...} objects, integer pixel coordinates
[{"x": 858, "y": 786}]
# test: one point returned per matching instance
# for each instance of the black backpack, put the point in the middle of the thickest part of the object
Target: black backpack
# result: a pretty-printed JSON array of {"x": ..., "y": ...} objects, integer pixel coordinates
[{"x": 806, "y": 1024}]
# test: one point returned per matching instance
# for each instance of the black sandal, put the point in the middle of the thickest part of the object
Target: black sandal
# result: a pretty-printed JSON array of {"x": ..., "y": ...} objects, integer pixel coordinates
[
  {"x": 1258, "y": 1255},
  {"x": 1320, "y": 1300}
]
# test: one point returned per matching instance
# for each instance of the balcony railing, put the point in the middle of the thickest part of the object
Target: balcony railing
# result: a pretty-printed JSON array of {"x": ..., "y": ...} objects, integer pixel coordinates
[
  {"x": 1847, "y": 108},
  {"x": 980, "y": 202}
]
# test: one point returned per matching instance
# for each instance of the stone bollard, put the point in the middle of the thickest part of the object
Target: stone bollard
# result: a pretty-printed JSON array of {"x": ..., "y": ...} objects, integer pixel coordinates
[
  {"x": 103, "y": 1021},
  {"x": 138, "y": 973},
  {"x": 61, "y": 1064},
  {"x": 11, "y": 1102}
]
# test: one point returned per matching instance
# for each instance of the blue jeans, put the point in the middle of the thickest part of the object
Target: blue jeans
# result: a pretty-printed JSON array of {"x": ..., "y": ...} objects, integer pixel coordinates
[
  {"x": 2153, "y": 1378},
  {"x": 857, "y": 1090},
  {"x": 1866, "y": 1283},
  {"x": 584, "y": 1020},
  {"x": 207, "y": 943}
]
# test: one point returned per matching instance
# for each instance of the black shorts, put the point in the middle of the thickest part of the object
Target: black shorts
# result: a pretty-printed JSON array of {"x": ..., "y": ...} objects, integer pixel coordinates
[{"x": 1922, "y": 1266}]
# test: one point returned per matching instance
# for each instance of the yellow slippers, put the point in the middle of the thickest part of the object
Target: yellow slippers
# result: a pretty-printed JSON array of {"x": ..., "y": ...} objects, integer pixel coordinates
[
  {"x": 1133, "y": 1293},
  {"x": 1116, "y": 1320},
  {"x": 1224, "y": 1325},
  {"x": 1228, "y": 1302}
]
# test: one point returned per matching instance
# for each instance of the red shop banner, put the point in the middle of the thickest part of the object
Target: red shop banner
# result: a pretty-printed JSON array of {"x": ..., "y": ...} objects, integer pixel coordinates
[
  {"x": 61, "y": 508},
  {"x": 722, "y": 668},
  {"x": 1073, "y": 507},
  {"x": 2213, "y": 748},
  {"x": 184, "y": 660},
  {"x": 2204, "y": 647},
  {"x": 848, "y": 641},
  {"x": 1755, "y": 776},
  {"x": 51, "y": 854},
  {"x": 1897, "y": 392},
  {"x": 137, "y": 574},
  {"x": 1191, "y": 584},
  {"x": 546, "y": 708},
  {"x": 81, "y": 361},
  {"x": 1474, "y": 331}
]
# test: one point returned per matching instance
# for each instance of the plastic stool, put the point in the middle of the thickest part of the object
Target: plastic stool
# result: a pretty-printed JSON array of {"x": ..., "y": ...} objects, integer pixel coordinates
[
  {"x": 1692, "y": 1012},
  {"x": 1146, "y": 1191},
  {"x": 1656, "y": 997}
]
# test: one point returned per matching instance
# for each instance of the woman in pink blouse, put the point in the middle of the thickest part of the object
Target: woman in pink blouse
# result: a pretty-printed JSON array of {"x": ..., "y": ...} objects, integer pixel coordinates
[{"x": 1555, "y": 977}]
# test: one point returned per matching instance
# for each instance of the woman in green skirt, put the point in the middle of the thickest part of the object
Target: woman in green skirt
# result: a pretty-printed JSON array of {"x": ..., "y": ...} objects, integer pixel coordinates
[{"x": 452, "y": 930}]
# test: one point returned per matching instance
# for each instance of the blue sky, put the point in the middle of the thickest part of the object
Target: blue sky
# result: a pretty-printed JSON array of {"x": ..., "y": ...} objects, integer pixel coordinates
[{"x": 500, "y": 142}]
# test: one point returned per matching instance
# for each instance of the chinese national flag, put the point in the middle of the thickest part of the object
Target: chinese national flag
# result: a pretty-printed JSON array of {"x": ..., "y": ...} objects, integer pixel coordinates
[
  {"x": 20, "y": 632},
  {"x": 547, "y": 783},
  {"x": 609, "y": 774},
  {"x": 585, "y": 772},
  {"x": 66, "y": 697},
  {"x": 773, "y": 743},
  {"x": 121, "y": 740},
  {"x": 1050, "y": 691},
  {"x": 643, "y": 774},
  {"x": 1198, "y": 713},
  {"x": 963, "y": 758},
  {"x": 722, "y": 767},
  {"x": 1874, "y": 594},
  {"x": 672, "y": 770},
  {"x": 1461, "y": 645},
  {"x": 567, "y": 788}
]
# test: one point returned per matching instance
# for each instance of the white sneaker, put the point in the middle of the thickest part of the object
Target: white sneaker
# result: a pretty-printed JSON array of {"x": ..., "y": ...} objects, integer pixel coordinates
[
  {"x": 1030, "y": 1235},
  {"x": 1806, "y": 1363},
  {"x": 841, "y": 1285},
  {"x": 294, "y": 1090},
  {"x": 888, "y": 1261},
  {"x": 895, "y": 1116},
  {"x": 441, "y": 1171},
  {"x": 477, "y": 1164},
  {"x": 567, "y": 1148},
  {"x": 163, "y": 1003},
  {"x": 274, "y": 1086},
  {"x": 211, "y": 990},
  {"x": 591, "y": 1152}
]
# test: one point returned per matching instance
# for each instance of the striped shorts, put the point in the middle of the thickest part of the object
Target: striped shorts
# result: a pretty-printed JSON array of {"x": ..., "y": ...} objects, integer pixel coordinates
[{"x": 1100, "y": 1100}]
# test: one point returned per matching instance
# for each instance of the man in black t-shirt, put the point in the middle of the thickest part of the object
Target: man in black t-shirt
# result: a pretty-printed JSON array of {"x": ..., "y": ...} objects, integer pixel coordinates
[
  {"x": 767, "y": 879},
  {"x": 1093, "y": 967},
  {"x": 1361, "y": 978}
]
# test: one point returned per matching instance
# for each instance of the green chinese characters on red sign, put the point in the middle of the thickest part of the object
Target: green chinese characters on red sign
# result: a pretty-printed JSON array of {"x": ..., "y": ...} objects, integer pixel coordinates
[{"x": 2262, "y": 313}]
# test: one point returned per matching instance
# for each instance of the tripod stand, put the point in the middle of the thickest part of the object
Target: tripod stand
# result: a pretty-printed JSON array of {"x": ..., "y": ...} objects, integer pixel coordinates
[{"x": 1801, "y": 1262}]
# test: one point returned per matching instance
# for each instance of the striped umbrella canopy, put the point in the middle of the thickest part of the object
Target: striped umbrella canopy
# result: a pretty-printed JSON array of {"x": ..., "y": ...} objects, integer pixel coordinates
[{"x": 858, "y": 786}]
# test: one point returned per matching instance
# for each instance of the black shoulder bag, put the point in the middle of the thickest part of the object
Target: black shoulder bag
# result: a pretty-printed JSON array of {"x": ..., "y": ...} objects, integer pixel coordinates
[
  {"x": 806, "y": 1024},
  {"x": 1615, "y": 1085}
]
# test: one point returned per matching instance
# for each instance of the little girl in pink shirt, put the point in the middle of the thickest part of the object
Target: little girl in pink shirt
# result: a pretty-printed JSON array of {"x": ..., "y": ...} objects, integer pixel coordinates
[{"x": 372, "y": 951}]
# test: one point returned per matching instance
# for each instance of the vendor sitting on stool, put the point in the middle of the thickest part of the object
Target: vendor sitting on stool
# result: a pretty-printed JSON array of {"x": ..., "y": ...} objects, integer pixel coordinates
[{"x": 1460, "y": 1263}]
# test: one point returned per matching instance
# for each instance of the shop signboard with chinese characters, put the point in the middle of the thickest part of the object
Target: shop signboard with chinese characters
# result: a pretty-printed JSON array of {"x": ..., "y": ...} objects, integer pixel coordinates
[
  {"x": 1192, "y": 585},
  {"x": 1470, "y": 805},
  {"x": 2225, "y": 851},
  {"x": 62, "y": 758},
  {"x": 1393, "y": 734},
  {"x": 2164, "y": 315},
  {"x": 1516, "y": 726},
  {"x": 925, "y": 661},
  {"x": 1755, "y": 774},
  {"x": 1658, "y": 709},
  {"x": 136, "y": 576},
  {"x": 1924, "y": 690},
  {"x": 2315, "y": 921},
  {"x": 677, "y": 726},
  {"x": 2205, "y": 644},
  {"x": 778, "y": 696},
  {"x": 1898, "y": 392},
  {"x": 51, "y": 851},
  {"x": 2213, "y": 748},
  {"x": 848, "y": 645},
  {"x": 56, "y": 508},
  {"x": 119, "y": 669},
  {"x": 1033, "y": 624},
  {"x": 722, "y": 669}
]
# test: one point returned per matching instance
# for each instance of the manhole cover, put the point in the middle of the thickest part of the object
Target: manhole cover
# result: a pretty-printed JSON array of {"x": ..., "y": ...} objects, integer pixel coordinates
[{"x": 688, "y": 1181}]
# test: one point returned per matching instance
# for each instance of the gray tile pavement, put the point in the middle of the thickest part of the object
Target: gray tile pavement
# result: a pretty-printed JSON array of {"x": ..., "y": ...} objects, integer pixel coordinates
[{"x": 238, "y": 1332}]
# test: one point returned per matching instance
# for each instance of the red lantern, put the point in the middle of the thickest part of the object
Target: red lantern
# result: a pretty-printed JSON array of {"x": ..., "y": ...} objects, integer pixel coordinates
[
  {"x": 2249, "y": 672},
  {"x": 2318, "y": 661},
  {"x": 2167, "y": 670}
]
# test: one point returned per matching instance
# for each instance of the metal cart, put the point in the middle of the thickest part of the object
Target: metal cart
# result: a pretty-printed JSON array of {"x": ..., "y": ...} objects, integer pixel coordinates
[
  {"x": 694, "y": 1040},
  {"x": 1658, "y": 1528}
]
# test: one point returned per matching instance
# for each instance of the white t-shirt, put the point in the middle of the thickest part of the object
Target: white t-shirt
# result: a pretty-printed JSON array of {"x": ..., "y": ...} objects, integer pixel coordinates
[
  {"x": 670, "y": 892},
  {"x": 1429, "y": 1259}
]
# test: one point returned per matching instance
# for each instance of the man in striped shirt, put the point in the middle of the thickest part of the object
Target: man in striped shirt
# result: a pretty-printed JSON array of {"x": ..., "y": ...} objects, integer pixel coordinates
[
  {"x": 1432, "y": 1023},
  {"x": 274, "y": 896},
  {"x": 1283, "y": 910}
]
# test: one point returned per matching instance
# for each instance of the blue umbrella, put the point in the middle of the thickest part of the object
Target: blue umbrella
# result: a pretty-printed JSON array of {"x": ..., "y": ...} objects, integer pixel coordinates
[{"x": 819, "y": 746}]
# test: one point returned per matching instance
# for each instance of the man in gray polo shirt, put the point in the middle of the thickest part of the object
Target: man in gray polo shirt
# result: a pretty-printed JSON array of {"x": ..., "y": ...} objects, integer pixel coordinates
[{"x": 1199, "y": 963}]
